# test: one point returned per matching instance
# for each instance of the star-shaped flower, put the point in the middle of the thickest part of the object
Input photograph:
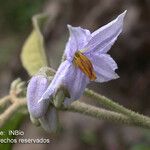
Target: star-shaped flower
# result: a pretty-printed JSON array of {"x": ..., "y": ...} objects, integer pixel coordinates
[{"x": 86, "y": 59}]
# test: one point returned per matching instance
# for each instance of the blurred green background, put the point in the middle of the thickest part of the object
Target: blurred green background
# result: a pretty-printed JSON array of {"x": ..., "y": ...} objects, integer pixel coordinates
[{"x": 131, "y": 52}]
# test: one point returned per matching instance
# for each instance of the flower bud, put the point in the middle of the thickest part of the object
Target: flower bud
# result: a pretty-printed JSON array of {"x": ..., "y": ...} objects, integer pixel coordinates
[
  {"x": 36, "y": 87},
  {"x": 50, "y": 122}
]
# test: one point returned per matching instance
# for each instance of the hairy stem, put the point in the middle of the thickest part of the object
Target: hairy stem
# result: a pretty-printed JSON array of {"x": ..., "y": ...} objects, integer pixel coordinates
[
  {"x": 9, "y": 112},
  {"x": 99, "y": 113},
  {"x": 102, "y": 114},
  {"x": 4, "y": 101},
  {"x": 106, "y": 102}
]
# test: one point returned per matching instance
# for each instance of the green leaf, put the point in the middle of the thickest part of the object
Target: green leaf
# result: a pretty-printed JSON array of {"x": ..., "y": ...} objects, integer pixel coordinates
[
  {"x": 13, "y": 124},
  {"x": 33, "y": 55}
]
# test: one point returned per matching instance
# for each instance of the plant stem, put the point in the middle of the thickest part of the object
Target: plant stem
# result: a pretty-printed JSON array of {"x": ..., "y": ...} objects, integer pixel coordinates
[
  {"x": 4, "y": 101},
  {"x": 8, "y": 113},
  {"x": 106, "y": 102},
  {"x": 102, "y": 114}
]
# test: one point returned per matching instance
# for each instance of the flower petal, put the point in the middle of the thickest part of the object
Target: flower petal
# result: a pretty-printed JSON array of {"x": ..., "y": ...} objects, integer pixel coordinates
[
  {"x": 36, "y": 87},
  {"x": 76, "y": 82},
  {"x": 104, "y": 66},
  {"x": 71, "y": 78},
  {"x": 50, "y": 121},
  {"x": 57, "y": 81},
  {"x": 103, "y": 38},
  {"x": 79, "y": 37}
]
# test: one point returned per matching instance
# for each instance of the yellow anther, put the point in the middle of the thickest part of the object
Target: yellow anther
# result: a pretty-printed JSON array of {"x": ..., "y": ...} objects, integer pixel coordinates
[{"x": 85, "y": 65}]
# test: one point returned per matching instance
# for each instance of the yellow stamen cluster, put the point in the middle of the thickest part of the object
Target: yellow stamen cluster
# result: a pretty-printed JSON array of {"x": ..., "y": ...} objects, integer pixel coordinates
[{"x": 84, "y": 64}]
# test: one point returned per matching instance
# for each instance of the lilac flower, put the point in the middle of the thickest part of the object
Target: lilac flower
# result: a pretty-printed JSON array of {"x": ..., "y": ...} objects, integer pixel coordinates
[
  {"x": 86, "y": 59},
  {"x": 43, "y": 111},
  {"x": 36, "y": 87}
]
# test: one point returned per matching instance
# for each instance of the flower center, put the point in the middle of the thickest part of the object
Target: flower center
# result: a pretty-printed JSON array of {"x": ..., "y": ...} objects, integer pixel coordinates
[{"x": 84, "y": 64}]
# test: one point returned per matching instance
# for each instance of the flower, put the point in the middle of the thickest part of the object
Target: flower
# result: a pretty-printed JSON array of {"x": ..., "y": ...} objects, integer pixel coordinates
[
  {"x": 36, "y": 87},
  {"x": 86, "y": 59},
  {"x": 44, "y": 111}
]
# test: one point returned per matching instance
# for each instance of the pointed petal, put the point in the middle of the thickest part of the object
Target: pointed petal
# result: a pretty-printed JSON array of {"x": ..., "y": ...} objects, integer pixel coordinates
[
  {"x": 36, "y": 87},
  {"x": 71, "y": 78},
  {"x": 50, "y": 121},
  {"x": 76, "y": 82},
  {"x": 58, "y": 78},
  {"x": 108, "y": 59},
  {"x": 104, "y": 66},
  {"x": 79, "y": 37},
  {"x": 104, "y": 37}
]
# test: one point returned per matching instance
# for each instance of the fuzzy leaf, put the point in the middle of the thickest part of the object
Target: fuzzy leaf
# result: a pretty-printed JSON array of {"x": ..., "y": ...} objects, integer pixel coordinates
[{"x": 33, "y": 55}]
